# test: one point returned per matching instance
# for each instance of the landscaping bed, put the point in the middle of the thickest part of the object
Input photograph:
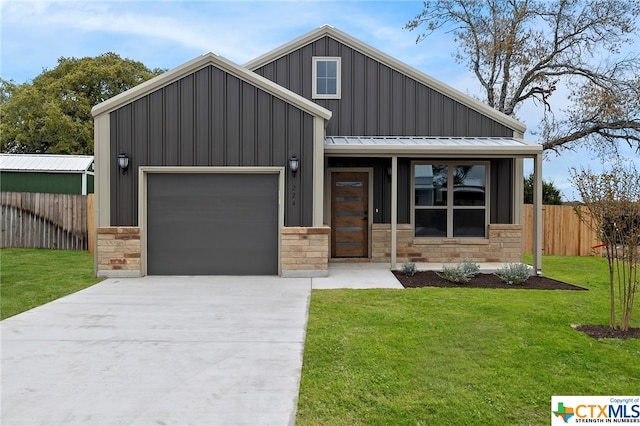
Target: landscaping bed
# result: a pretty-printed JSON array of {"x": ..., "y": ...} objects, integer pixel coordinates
[
  {"x": 606, "y": 332},
  {"x": 432, "y": 279}
]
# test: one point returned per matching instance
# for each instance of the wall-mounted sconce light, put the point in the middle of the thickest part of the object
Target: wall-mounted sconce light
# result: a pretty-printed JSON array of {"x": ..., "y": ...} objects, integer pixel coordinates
[
  {"x": 294, "y": 164},
  {"x": 123, "y": 162},
  {"x": 389, "y": 172}
]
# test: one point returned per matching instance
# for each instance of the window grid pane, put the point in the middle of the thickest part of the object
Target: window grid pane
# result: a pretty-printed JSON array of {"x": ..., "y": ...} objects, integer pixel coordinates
[
  {"x": 469, "y": 185},
  {"x": 468, "y": 222},
  {"x": 321, "y": 86},
  {"x": 322, "y": 68},
  {"x": 431, "y": 223},
  {"x": 331, "y": 69}
]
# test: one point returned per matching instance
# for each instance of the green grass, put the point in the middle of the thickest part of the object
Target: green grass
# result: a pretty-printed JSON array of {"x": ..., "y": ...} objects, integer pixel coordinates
[
  {"x": 32, "y": 277},
  {"x": 461, "y": 356}
]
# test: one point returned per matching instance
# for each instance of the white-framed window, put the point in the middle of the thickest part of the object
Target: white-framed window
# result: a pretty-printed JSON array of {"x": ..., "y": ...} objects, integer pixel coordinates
[
  {"x": 450, "y": 199},
  {"x": 326, "y": 77}
]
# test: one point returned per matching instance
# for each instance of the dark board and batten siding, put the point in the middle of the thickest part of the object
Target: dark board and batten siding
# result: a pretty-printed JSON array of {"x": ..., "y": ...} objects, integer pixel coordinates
[
  {"x": 378, "y": 100},
  {"x": 211, "y": 118}
]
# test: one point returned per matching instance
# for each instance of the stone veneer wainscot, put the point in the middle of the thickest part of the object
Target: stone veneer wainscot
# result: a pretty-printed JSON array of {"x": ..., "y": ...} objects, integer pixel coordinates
[
  {"x": 118, "y": 252},
  {"x": 305, "y": 251},
  {"x": 504, "y": 245}
]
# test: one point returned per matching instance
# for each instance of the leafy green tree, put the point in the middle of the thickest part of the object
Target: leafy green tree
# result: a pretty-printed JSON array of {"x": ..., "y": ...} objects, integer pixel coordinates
[
  {"x": 52, "y": 114},
  {"x": 523, "y": 50},
  {"x": 550, "y": 194}
]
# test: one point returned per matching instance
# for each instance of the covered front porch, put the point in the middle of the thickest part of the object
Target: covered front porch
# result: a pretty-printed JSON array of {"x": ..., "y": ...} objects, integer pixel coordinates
[{"x": 391, "y": 237}]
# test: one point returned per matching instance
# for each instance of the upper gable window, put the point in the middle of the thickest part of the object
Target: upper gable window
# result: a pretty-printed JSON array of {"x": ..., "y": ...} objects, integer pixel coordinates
[{"x": 326, "y": 78}]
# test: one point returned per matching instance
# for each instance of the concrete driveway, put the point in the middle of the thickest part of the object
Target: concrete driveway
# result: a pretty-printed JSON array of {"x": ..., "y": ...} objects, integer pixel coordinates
[{"x": 159, "y": 351}]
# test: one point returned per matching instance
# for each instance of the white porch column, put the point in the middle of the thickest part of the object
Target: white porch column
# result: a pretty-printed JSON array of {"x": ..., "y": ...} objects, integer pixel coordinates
[
  {"x": 394, "y": 209},
  {"x": 537, "y": 214},
  {"x": 317, "y": 218}
]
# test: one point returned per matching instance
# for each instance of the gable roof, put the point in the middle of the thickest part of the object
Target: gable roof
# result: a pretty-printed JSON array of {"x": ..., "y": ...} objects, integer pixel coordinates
[
  {"x": 199, "y": 63},
  {"x": 327, "y": 30},
  {"x": 45, "y": 163}
]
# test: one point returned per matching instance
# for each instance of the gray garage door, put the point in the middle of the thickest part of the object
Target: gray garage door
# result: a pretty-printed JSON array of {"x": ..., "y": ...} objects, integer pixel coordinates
[{"x": 212, "y": 224}]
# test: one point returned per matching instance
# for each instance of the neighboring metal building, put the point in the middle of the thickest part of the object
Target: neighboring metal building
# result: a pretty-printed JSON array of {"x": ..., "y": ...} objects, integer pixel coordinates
[{"x": 54, "y": 174}]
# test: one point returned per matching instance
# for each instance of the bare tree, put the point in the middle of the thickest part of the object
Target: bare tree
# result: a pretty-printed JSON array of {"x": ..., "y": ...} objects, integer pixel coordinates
[
  {"x": 612, "y": 210},
  {"x": 522, "y": 50}
]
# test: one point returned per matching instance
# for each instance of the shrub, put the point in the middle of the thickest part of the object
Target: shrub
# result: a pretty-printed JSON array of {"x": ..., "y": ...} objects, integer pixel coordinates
[
  {"x": 455, "y": 274},
  {"x": 409, "y": 269},
  {"x": 469, "y": 268},
  {"x": 461, "y": 273},
  {"x": 514, "y": 273}
]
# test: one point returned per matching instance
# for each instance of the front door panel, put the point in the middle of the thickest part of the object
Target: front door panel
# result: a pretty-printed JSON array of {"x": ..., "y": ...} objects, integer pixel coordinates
[{"x": 349, "y": 214}]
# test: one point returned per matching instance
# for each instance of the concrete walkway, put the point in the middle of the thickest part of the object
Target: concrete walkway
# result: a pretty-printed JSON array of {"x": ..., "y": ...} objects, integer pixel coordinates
[
  {"x": 357, "y": 276},
  {"x": 159, "y": 351}
]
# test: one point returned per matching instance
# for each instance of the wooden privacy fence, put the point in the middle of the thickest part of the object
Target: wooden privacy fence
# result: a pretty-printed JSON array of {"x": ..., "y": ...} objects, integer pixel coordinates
[
  {"x": 563, "y": 233},
  {"x": 38, "y": 220}
]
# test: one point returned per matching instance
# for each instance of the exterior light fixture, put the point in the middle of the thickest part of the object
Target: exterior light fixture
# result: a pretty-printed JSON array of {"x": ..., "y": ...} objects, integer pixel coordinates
[
  {"x": 123, "y": 162},
  {"x": 294, "y": 164}
]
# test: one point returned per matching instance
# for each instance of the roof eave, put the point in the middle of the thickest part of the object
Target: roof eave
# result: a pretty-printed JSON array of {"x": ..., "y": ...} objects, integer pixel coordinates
[{"x": 197, "y": 64}]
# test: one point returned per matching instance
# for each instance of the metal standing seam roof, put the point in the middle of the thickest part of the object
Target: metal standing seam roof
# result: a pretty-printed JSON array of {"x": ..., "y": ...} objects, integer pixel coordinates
[
  {"x": 427, "y": 144},
  {"x": 45, "y": 163}
]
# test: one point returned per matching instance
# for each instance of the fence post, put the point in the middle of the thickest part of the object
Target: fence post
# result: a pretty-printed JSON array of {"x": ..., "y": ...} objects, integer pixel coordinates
[{"x": 91, "y": 222}]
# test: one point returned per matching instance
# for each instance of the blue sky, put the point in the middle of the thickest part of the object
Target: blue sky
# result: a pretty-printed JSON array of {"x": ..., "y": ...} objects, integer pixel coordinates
[{"x": 166, "y": 34}]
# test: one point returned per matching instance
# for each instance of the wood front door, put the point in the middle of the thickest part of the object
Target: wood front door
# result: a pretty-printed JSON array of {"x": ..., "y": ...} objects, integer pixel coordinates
[{"x": 349, "y": 214}]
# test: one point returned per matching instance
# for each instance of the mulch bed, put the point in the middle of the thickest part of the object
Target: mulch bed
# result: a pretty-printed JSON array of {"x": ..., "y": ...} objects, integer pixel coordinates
[
  {"x": 431, "y": 279},
  {"x": 606, "y": 332}
]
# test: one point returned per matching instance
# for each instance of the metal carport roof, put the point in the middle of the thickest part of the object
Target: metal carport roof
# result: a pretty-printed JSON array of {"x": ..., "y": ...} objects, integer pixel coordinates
[{"x": 45, "y": 163}]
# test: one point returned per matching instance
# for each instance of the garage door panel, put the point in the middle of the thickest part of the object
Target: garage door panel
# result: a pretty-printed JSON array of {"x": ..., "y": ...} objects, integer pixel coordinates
[{"x": 212, "y": 224}]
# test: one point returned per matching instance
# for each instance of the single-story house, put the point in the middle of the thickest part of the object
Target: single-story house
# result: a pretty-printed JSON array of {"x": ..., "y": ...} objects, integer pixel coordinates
[
  {"x": 324, "y": 148},
  {"x": 47, "y": 173}
]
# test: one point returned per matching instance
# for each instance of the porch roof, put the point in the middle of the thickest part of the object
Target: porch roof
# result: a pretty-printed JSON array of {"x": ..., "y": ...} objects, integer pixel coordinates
[{"x": 430, "y": 145}]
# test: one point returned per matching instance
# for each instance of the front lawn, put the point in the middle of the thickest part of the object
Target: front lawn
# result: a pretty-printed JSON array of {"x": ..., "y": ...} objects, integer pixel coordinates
[
  {"x": 32, "y": 277},
  {"x": 443, "y": 356}
]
